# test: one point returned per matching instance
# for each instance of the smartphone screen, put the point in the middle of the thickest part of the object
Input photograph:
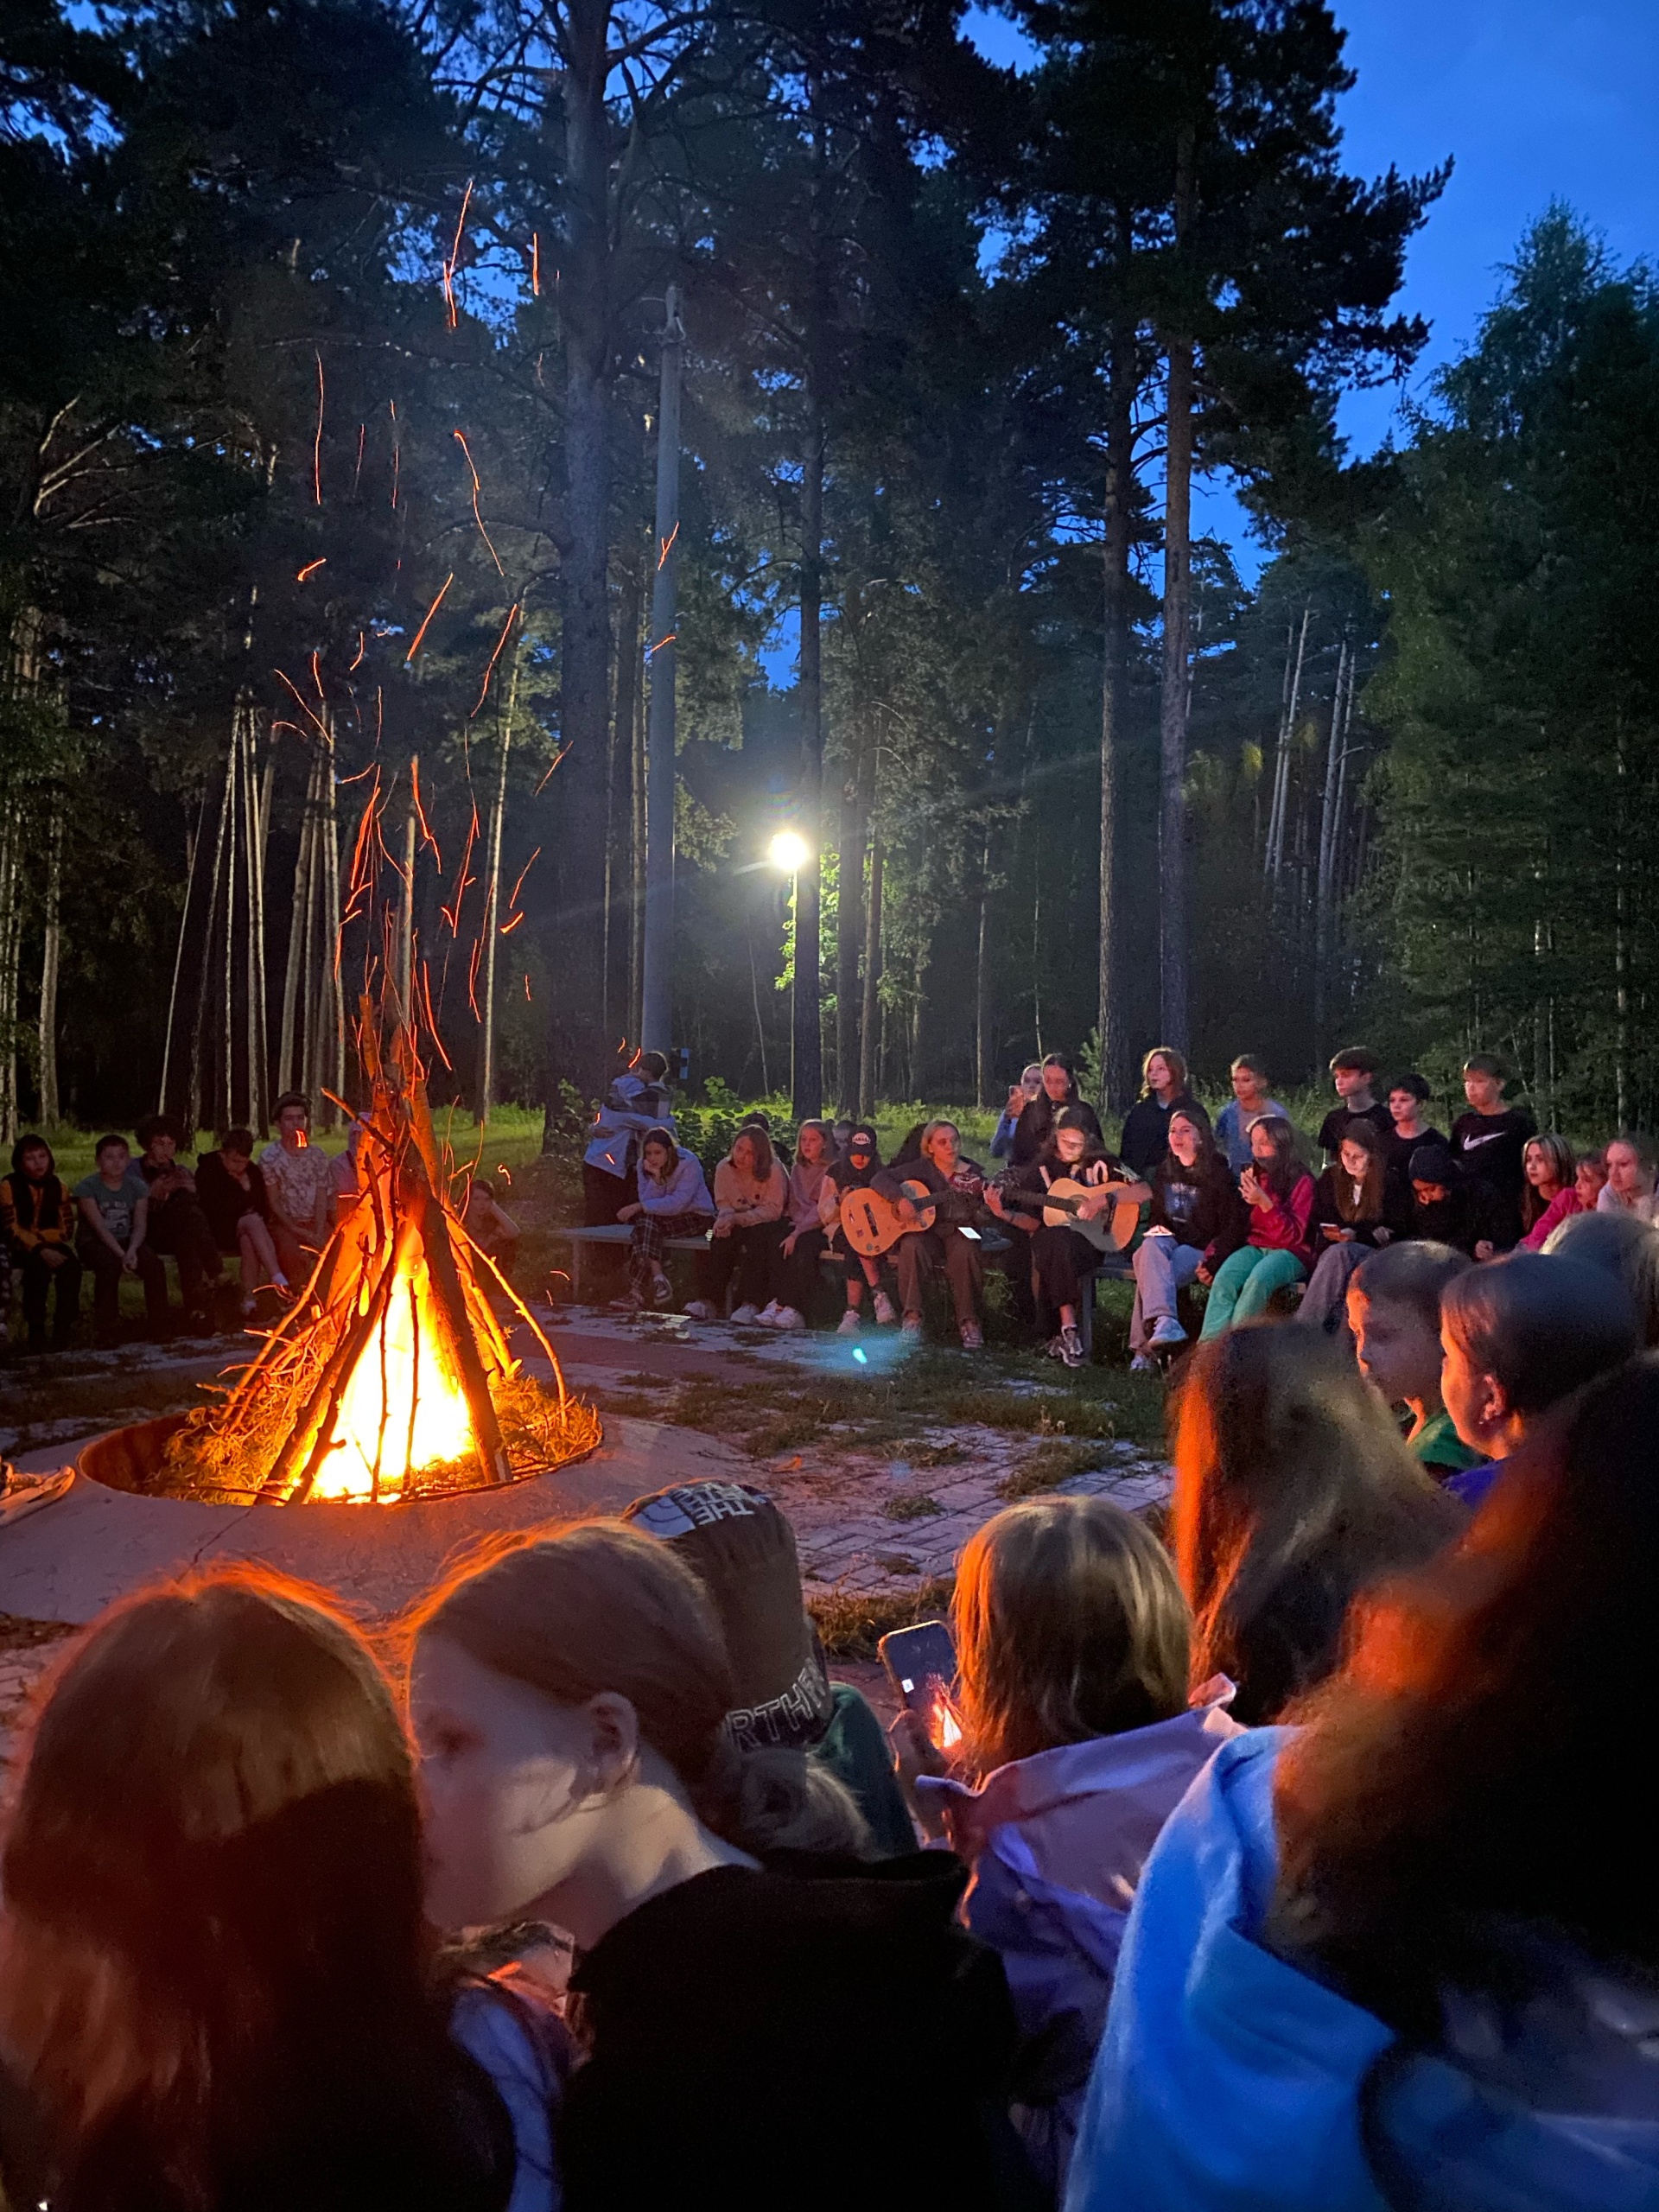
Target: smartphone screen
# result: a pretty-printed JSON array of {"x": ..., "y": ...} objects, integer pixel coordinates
[
  {"x": 972, "y": 1235},
  {"x": 921, "y": 1664}
]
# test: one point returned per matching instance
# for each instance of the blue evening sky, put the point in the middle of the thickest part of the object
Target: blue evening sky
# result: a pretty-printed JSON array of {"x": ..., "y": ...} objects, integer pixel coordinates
[{"x": 1533, "y": 99}]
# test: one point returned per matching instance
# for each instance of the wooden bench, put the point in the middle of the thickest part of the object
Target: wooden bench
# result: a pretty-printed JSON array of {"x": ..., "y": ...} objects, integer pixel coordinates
[{"x": 613, "y": 1233}]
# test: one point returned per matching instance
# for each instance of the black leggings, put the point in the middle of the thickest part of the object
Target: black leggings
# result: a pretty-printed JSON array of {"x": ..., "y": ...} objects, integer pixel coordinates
[
  {"x": 751, "y": 1256},
  {"x": 1059, "y": 1260},
  {"x": 795, "y": 1278}
]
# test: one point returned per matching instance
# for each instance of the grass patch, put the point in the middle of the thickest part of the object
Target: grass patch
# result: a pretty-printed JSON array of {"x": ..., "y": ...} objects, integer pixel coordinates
[
  {"x": 904, "y": 1409},
  {"x": 912, "y": 1509},
  {"x": 1049, "y": 1465},
  {"x": 851, "y": 1622}
]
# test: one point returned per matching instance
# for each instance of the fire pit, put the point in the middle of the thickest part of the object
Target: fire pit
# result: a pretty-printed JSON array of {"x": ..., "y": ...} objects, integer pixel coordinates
[{"x": 391, "y": 1377}]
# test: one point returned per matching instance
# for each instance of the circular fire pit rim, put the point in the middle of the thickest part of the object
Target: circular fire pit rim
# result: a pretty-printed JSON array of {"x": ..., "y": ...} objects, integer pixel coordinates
[{"x": 136, "y": 1447}]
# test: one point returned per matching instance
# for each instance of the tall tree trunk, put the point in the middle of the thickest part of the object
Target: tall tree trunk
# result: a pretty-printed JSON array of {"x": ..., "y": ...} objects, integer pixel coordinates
[
  {"x": 486, "y": 1098},
  {"x": 808, "y": 1057},
  {"x": 288, "y": 1067},
  {"x": 622, "y": 948},
  {"x": 198, "y": 1038},
  {"x": 255, "y": 842},
  {"x": 1290, "y": 705},
  {"x": 1115, "y": 1076},
  {"x": 849, "y": 909},
  {"x": 1621, "y": 941},
  {"x": 51, "y": 946},
  {"x": 657, "y": 989},
  {"x": 1324, "y": 888},
  {"x": 11, "y": 911},
  {"x": 982, "y": 981},
  {"x": 637, "y": 869},
  {"x": 1178, "y": 621},
  {"x": 576, "y": 1044},
  {"x": 870, "y": 1026},
  {"x": 406, "y": 915}
]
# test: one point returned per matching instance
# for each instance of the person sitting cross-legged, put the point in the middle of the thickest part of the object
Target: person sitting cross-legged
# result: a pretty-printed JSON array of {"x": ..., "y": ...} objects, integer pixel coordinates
[
  {"x": 956, "y": 1187},
  {"x": 232, "y": 1188},
  {"x": 37, "y": 1224},
  {"x": 1349, "y": 1220},
  {"x": 1197, "y": 1220},
  {"x": 1277, "y": 1250},
  {"x": 672, "y": 1200}
]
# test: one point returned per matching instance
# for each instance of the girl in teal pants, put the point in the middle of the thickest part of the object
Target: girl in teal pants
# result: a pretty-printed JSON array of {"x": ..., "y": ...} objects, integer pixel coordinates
[{"x": 1278, "y": 1191}]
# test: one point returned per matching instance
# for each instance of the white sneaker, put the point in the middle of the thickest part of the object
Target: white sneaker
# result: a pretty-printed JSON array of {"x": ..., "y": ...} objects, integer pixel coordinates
[
  {"x": 912, "y": 1325},
  {"x": 788, "y": 1319},
  {"x": 886, "y": 1314},
  {"x": 1167, "y": 1329},
  {"x": 1071, "y": 1347},
  {"x": 767, "y": 1317},
  {"x": 848, "y": 1325},
  {"x": 745, "y": 1318},
  {"x": 1141, "y": 1365},
  {"x": 700, "y": 1310}
]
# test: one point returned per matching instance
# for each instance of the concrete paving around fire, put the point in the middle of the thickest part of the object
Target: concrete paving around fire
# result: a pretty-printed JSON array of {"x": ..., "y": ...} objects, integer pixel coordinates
[{"x": 886, "y": 1466}]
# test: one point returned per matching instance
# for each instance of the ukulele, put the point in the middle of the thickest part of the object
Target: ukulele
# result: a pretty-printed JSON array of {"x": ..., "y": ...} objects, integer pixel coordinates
[
  {"x": 873, "y": 1224},
  {"x": 1112, "y": 1231}
]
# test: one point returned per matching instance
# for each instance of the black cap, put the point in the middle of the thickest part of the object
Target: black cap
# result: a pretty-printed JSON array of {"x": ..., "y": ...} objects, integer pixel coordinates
[{"x": 742, "y": 1550}]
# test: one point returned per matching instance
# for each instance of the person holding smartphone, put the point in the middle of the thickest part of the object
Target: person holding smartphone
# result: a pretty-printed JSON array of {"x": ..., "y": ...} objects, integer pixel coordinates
[
  {"x": 1027, "y": 1087},
  {"x": 1349, "y": 1220}
]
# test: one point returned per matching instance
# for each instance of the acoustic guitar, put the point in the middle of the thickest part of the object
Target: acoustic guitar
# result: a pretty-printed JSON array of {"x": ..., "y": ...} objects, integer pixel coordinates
[
  {"x": 1111, "y": 1231},
  {"x": 872, "y": 1224}
]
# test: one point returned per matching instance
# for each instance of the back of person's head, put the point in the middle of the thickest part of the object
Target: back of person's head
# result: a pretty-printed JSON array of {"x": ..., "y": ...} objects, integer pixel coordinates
[
  {"x": 1069, "y": 1623},
  {"x": 652, "y": 1066},
  {"x": 602, "y": 1607},
  {"x": 1539, "y": 1326},
  {"x": 1294, "y": 1492},
  {"x": 240, "y": 1142},
  {"x": 1413, "y": 1274},
  {"x": 1472, "y": 1772},
  {"x": 212, "y": 1956},
  {"x": 1622, "y": 1245}
]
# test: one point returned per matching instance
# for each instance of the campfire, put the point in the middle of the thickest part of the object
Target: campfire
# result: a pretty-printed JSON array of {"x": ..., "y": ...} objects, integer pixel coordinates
[{"x": 391, "y": 1378}]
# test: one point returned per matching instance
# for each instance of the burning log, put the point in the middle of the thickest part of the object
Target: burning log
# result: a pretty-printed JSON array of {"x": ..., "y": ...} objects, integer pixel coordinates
[{"x": 390, "y": 1376}]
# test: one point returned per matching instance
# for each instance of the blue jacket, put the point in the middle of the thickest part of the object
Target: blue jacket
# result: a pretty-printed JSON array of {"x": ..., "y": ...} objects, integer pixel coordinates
[{"x": 1228, "y": 2081}]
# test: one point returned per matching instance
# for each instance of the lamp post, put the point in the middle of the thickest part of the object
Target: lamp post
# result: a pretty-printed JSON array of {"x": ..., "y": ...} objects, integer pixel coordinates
[{"x": 789, "y": 852}]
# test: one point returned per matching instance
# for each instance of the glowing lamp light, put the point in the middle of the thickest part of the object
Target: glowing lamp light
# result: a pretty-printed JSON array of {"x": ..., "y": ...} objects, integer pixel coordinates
[{"x": 788, "y": 852}]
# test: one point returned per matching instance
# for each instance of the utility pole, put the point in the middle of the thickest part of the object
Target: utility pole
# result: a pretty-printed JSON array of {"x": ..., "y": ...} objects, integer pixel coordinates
[{"x": 656, "y": 1016}]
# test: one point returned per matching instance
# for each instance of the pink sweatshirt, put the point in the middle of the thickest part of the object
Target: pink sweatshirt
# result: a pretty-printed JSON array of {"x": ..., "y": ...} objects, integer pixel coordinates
[
  {"x": 1562, "y": 1207},
  {"x": 1283, "y": 1227}
]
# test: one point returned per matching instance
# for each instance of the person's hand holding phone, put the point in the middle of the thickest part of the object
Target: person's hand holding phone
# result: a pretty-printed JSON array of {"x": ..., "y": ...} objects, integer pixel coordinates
[
  {"x": 1017, "y": 1103},
  {"x": 913, "y": 1754}
]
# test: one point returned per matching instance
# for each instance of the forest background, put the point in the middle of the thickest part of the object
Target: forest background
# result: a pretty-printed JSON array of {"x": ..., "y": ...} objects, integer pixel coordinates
[{"x": 328, "y": 447}]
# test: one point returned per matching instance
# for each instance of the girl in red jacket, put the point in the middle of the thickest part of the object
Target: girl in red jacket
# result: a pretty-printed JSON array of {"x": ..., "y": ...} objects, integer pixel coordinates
[{"x": 1278, "y": 1191}]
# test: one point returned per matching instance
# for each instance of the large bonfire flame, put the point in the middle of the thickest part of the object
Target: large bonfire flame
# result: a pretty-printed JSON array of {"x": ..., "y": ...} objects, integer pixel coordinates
[{"x": 391, "y": 1376}]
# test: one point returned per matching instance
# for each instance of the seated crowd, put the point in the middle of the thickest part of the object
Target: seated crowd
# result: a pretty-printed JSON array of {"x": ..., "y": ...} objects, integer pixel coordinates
[
  {"x": 1278, "y": 1858},
  {"x": 1231, "y": 1207},
  {"x": 271, "y": 1210}
]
